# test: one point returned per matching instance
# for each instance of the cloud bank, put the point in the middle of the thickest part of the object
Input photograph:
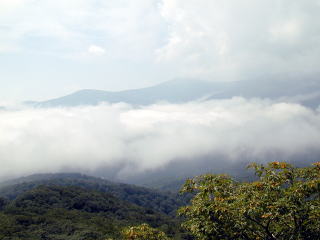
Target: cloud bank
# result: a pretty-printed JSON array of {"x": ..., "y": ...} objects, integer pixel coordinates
[
  {"x": 213, "y": 39},
  {"x": 66, "y": 28},
  {"x": 134, "y": 140},
  {"x": 231, "y": 40}
]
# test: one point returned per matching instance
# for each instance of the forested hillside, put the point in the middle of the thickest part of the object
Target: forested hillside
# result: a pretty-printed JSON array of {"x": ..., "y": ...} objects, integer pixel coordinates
[
  {"x": 163, "y": 202},
  {"x": 281, "y": 203},
  {"x": 70, "y": 212}
]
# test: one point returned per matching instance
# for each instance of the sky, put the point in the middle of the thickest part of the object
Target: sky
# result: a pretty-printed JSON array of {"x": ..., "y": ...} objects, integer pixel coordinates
[{"x": 52, "y": 48}]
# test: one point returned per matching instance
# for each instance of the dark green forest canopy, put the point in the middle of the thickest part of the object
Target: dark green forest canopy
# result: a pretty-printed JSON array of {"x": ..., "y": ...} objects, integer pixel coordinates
[
  {"x": 282, "y": 202},
  {"x": 68, "y": 212},
  {"x": 163, "y": 202}
]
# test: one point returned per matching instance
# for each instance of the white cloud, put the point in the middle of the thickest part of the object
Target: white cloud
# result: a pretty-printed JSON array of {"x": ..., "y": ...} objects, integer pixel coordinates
[
  {"x": 67, "y": 27},
  {"x": 213, "y": 39},
  {"x": 96, "y": 50},
  {"x": 42, "y": 140},
  {"x": 288, "y": 31},
  {"x": 9, "y": 5},
  {"x": 234, "y": 39}
]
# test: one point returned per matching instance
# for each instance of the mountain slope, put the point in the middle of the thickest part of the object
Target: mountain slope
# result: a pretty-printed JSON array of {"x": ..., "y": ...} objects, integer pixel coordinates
[
  {"x": 296, "y": 90},
  {"x": 166, "y": 203},
  {"x": 74, "y": 213},
  {"x": 175, "y": 91},
  {"x": 305, "y": 91}
]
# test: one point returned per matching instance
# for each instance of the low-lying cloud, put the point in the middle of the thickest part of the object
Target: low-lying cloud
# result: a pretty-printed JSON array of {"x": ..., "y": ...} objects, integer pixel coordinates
[{"x": 151, "y": 137}]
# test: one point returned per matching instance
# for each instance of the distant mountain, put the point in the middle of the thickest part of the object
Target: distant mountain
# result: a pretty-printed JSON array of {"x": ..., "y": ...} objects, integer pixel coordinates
[
  {"x": 295, "y": 90},
  {"x": 176, "y": 91},
  {"x": 305, "y": 91}
]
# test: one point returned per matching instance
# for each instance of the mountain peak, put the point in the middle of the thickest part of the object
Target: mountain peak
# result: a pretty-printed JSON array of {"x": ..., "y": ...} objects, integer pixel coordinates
[{"x": 184, "y": 90}]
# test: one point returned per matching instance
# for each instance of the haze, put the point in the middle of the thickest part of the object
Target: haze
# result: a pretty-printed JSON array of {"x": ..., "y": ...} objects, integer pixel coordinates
[{"x": 50, "y": 49}]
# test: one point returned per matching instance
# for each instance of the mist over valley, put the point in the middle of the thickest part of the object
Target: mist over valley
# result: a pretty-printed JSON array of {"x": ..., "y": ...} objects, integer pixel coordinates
[
  {"x": 190, "y": 127},
  {"x": 109, "y": 109}
]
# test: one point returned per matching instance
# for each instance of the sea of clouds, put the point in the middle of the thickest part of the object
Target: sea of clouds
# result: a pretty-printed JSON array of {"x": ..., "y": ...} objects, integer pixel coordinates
[{"x": 139, "y": 139}]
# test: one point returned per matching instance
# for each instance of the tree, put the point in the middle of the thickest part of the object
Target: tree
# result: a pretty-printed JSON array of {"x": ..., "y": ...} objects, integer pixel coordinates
[
  {"x": 143, "y": 232},
  {"x": 284, "y": 203},
  {"x": 3, "y": 203}
]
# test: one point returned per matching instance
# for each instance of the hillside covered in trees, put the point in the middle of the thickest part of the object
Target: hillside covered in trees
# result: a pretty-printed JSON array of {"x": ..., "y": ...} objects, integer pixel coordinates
[
  {"x": 160, "y": 201},
  {"x": 71, "y": 212},
  {"x": 281, "y": 203}
]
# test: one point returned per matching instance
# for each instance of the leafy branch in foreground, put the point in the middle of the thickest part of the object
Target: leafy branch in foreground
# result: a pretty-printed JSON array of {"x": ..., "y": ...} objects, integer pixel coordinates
[
  {"x": 143, "y": 232},
  {"x": 284, "y": 203}
]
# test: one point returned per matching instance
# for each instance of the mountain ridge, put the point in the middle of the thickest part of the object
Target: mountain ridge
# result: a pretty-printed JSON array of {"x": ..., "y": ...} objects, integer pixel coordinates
[
  {"x": 175, "y": 91},
  {"x": 160, "y": 201},
  {"x": 75, "y": 213},
  {"x": 304, "y": 91}
]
